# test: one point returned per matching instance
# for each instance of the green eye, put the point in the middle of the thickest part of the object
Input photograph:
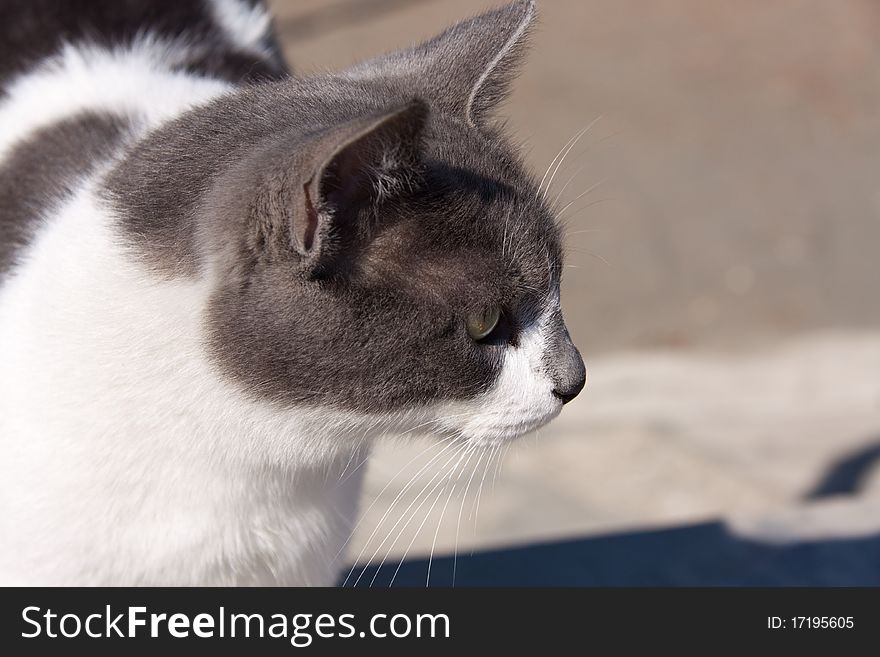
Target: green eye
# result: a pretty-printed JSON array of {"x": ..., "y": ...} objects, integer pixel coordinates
[{"x": 481, "y": 324}]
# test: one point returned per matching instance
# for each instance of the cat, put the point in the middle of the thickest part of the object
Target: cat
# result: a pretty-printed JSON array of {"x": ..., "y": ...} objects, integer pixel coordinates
[{"x": 220, "y": 282}]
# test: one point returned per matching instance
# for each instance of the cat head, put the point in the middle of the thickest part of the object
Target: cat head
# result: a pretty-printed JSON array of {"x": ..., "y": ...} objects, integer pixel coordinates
[{"x": 386, "y": 253}]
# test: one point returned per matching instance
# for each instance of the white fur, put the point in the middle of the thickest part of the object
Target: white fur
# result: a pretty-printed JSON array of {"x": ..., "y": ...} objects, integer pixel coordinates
[
  {"x": 123, "y": 447},
  {"x": 247, "y": 27},
  {"x": 520, "y": 400},
  {"x": 134, "y": 82},
  {"x": 127, "y": 458}
]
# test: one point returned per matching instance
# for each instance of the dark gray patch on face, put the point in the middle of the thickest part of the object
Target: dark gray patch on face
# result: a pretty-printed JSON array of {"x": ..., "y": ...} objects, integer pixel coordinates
[
  {"x": 382, "y": 328},
  {"x": 32, "y": 30},
  {"x": 371, "y": 316},
  {"x": 45, "y": 169}
]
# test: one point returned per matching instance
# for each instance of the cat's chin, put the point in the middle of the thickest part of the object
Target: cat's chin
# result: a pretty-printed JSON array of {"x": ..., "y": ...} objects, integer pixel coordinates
[{"x": 492, "y": 430}]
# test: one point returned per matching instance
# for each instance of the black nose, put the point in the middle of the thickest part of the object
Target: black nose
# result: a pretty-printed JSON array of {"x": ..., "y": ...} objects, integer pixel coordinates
[
  {"x": 567, "y": 396},
  {"x": 563, "y": 363},
  {"x": 569, "y": 392},
  {"x": 571, "y": 377}
]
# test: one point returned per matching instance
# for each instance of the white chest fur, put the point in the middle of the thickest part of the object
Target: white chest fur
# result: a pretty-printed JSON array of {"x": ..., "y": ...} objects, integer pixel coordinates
[{"x": 126, "y": 458}]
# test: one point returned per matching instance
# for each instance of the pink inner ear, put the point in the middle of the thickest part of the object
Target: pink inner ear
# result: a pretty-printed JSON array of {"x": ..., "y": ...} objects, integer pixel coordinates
[{"x": 311, "y": 221}]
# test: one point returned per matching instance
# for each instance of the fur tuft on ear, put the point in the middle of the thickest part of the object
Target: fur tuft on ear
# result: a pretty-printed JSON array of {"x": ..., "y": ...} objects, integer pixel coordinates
[{"x": 467, "y": 69}]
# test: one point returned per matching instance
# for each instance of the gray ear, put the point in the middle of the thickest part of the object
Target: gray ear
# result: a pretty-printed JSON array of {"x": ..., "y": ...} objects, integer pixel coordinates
[
  {"x": 467, "y": 69},
  {"x": 351, "y": 167}
]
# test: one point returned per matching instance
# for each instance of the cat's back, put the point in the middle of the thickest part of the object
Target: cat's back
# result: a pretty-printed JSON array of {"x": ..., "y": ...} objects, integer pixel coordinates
[
  {"x": 232, "y": 37},
  {"x": 81, "y": 78}
]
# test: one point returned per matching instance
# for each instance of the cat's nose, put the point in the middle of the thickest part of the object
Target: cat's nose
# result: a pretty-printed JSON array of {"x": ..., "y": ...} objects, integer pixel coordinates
[
  {"x": 567, "y": 370},
  {"x": 563, "y": 362},
  {"x": 571, "y": 377}
]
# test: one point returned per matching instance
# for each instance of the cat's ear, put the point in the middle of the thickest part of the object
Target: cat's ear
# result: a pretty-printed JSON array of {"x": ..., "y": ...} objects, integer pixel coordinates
[
  {"x": 351, "y": 168},
  {"x": 467, "y": 69}
]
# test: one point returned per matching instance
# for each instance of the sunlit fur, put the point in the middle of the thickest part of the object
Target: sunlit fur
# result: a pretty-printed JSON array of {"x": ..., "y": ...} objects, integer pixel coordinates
[{"x": 153, "y": 427}]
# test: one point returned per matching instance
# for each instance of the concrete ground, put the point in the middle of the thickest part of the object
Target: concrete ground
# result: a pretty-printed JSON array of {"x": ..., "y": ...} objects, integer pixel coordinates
[{"x": 725, "y": 279}]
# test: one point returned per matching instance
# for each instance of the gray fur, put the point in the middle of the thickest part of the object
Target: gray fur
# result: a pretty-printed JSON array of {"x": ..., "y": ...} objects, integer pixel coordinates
[
  {"x": 351, "y": 221},
  {"x": 46, "y": 168},
  {"x": 480, "y": 54}
]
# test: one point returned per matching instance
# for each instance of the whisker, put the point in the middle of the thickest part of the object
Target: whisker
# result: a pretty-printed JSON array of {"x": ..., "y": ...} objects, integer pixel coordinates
[
  {"x": 469, "y": 453},
  {"x": 356, "y": 468},
  {"x": 553, "y": 161},
  {"x": 403, "y": 515},
  {"x": 461, "y": 511},
  {"x": 504, "y": 237},
  {"x": 598, "y": 257},
  {"x": 581, "y": 195},
  {"x": 449, "y": 480},
  {"x": 502, "y": 452},
  {"x": 562, "y": 160},
  {"x": 354, "y": 452},
  {"x": 475, "y": 509},
  {"x": 586, "y": 230},
  {"x": 410, "y": 516},
  {"x": 342, "y": 475},
  {"x": 402, "y": 492},
  {"x": 379, "y": 496},
  {"x": 588, "y": 205},
  {"x": 586, "y": 150},
  {"x": 565, "y": 186}
]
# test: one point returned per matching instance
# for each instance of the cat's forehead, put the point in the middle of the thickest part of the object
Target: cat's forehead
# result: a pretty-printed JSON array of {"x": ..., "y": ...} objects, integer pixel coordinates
[
  {"x": 469, "y": 239},
  {"x": 492, "y": 204}
]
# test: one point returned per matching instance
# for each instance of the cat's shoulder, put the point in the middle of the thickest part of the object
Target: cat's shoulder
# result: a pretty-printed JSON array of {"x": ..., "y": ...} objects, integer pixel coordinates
[{"x": 81, "y": 78}]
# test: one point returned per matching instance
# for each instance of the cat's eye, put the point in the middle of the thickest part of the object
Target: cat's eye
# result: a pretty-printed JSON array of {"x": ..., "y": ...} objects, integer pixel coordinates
[{"x": 481, "y": 324}]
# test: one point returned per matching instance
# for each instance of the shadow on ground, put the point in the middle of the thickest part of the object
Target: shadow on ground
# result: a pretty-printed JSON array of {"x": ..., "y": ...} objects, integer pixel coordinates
[
  {"x": 697, "y": 555},
  {"x": 847, "y": 475}
]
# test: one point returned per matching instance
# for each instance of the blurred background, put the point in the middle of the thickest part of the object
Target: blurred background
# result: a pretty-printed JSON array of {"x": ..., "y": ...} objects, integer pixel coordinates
[{"x": 724, "y": 290}]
